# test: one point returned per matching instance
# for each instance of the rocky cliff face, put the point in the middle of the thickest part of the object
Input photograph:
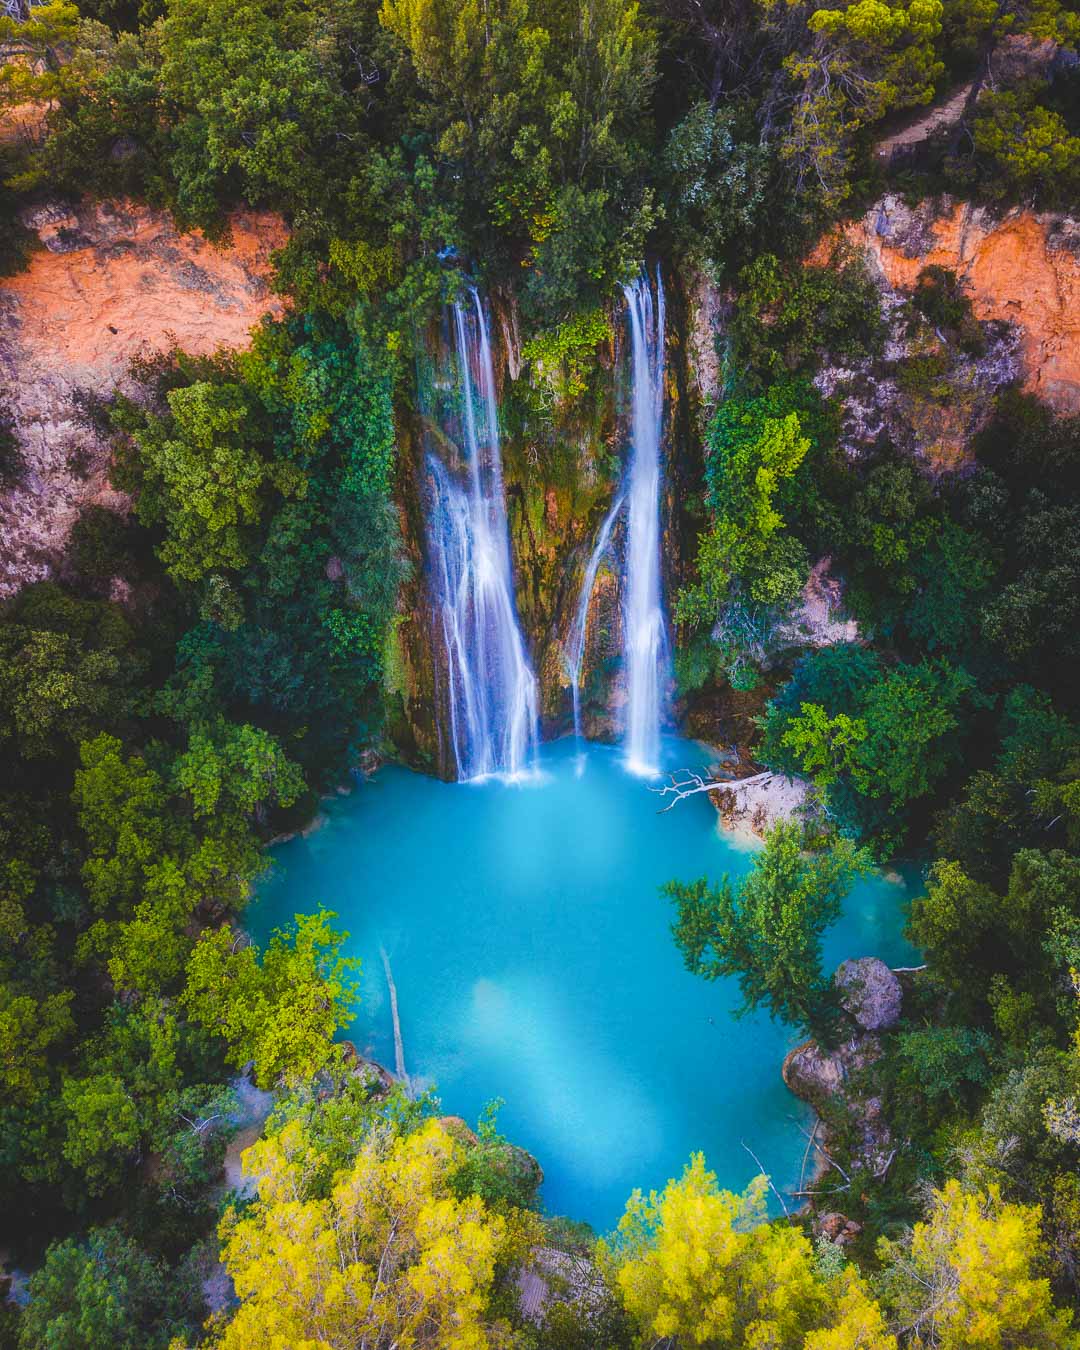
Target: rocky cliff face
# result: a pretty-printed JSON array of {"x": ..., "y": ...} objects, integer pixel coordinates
[
  {"x": 1021, "y": 273},
  {"x": 1018, "y": 268},
  {"x": 112, "y": 282}
]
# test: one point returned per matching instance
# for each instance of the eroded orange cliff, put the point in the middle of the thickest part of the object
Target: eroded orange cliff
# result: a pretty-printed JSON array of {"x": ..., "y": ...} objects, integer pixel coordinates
[
  {"x": 114, "y": 281},
  {"x": 1020, "y": 267}
]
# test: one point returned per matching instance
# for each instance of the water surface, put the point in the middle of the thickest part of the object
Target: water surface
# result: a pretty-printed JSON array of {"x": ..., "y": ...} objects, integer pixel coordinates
[{"x": 533, "y": 961}]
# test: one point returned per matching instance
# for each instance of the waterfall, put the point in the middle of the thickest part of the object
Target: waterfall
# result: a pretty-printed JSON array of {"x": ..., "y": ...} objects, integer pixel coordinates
[
  {"x": 644, "y": 636},
  {"x": 491, "y": 691},
  {"x": 576, "y": 641}
]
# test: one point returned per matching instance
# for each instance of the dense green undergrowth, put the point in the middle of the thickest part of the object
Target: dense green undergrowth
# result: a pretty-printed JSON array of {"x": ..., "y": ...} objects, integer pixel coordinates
[{"x": 200, "y": 669}]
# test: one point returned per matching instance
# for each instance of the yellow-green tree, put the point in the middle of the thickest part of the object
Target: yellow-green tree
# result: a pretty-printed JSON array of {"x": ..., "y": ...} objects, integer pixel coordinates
[
  {"x": 702, "y": 1266},
  {"x": 968, "y": 1277},
  {"x": 391, "y": 1256},
  {"x": 281, "y": 1010}
]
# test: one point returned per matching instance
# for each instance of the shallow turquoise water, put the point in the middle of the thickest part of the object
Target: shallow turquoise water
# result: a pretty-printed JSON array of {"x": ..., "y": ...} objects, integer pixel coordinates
[{"x": 533, "y": 962}]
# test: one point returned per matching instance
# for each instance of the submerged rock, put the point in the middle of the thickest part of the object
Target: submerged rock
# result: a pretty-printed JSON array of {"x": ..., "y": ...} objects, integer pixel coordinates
[{"x": 870, "y": 992}]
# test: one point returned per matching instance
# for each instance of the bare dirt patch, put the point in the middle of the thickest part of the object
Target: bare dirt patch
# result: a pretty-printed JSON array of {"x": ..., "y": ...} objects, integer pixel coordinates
[{"x": 114, "y": 281}]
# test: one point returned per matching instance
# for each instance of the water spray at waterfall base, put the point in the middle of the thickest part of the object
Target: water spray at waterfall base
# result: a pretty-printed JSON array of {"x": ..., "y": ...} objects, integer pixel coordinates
[
  {"x": 491, "y": 694},
  {"x": 645, "y": 647}
]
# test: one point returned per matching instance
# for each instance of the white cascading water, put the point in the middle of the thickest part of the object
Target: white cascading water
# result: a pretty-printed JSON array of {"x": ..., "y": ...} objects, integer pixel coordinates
[
  {"x": 575, "y": 646},
  {"x": 491, "y": 689},
  {"x": 644, "y": 635}
]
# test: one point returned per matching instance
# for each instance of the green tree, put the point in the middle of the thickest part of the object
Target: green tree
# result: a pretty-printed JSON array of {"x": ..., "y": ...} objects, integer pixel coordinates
[
  {"x": 717, "y": 173},
  {"x": 198, "y": 473},
  {"x": 30, "y": 1029},
  {"x": 103, "y": 1129},
  {"x": 749, "y": 568},
  {"x": 876, "y": 739},
  {"x": 66, "y": 667},
  {"x": 236, "y": 768},
  {"x": 855, "y": 61},
  {"x": 824, "y": 746},
  {"x": 910, "y": 716},
  {"x": 766, "y": 929},
  {"x": 256, "y": 103},
  {"x": 100, "y": 1293},
  {"x": 1027, "y": 933},
  {"x": 1031, "y": 147},
  {"x": 149, "y": 867},
  {"x": 280, "y": 1011}
]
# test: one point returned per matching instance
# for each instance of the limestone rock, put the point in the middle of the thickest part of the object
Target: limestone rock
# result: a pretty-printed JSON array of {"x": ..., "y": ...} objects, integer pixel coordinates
[
  {"x": 812, "y": 1074},
  {"x": 377, "y": 1078},
  {"x": 822, "y": 1076},
  {"x": 818, "y": 620},
  {"x": 838, "y": 1228},
  {"x": 765, "y": 799},
  {"x": 456, "y": 1126},
  {"x": 1019, "y": 268},
  {"x": 870, "y": 992},
  {"x": 507, "y": 1159},
  {"x": 815, "y": 1075}
]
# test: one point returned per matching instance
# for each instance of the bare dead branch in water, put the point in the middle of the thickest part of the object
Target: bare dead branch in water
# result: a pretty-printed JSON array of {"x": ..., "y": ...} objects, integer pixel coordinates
[
  {"x": 399, "y": 1044},
  {"x": 768, "y": 1178},
  {"x": 692, "y": 783}
]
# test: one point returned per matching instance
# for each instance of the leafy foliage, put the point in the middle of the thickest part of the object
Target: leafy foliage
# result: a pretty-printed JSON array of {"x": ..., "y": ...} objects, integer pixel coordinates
[
  {"x": 969, "y": 1271},
  {"x": 767, "y": 930},
  {"x": 699, "y": 1265},
  {"x": 280, "y": 1012},
  {"x": 386, "y": 1250}
]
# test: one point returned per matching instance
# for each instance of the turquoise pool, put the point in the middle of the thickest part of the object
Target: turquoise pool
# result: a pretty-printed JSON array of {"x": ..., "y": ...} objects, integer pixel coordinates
[{"x": 533, "y": 962}]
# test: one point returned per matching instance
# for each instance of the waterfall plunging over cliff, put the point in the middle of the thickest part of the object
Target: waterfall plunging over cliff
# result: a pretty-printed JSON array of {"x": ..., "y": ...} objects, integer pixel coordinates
[
  {"x": 576, "y": 643},
  {"x": 491, "y": 696},
  {"x": 644, "y": 635}
]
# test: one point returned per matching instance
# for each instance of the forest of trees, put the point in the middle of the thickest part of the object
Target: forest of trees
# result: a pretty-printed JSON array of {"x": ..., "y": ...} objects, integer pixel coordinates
[{"x": 151, "y": 749}]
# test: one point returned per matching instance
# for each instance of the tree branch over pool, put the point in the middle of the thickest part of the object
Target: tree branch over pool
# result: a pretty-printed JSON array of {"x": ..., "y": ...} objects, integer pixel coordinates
[{"x": 692, "y": 783}]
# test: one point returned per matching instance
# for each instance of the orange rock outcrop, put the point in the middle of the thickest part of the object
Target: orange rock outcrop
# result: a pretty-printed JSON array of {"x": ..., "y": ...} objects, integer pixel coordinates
[
  {"x": 113, "y": 281},
  {"x": 1023, "y": 267}
]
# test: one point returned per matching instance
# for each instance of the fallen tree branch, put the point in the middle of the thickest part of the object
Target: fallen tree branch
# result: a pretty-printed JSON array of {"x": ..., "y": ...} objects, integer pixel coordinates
[
  {"x": 831, "y": 1161},
  {"x": 802, "y": 1195},
  {"x": 806, "y": 1154},
  {"x": 768, "y": 1178},
  {"x": 399, "y": 1044},
  {"x": 692, "y": 783}
]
